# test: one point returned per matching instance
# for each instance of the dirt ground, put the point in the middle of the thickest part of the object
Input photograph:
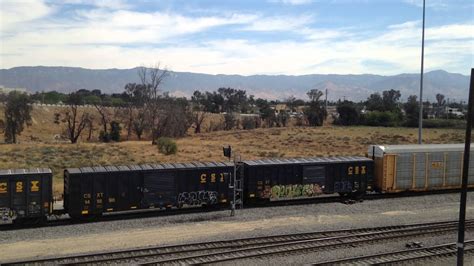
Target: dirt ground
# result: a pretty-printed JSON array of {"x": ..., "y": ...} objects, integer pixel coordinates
[{"x": 187, "y": 228}]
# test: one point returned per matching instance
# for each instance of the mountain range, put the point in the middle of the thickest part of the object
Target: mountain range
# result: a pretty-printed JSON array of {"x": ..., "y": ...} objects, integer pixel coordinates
[{"x": 353, "y": 87}]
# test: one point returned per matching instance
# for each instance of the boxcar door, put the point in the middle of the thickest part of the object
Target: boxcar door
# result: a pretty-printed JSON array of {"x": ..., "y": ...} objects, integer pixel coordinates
[
  {"x": 121, "y": 196},
  {"x": 159, "y": 188},
  {"x": 314, "y": 180},
  {"x": 34, "y": 195},
  {"x": 18, "y": 189}
]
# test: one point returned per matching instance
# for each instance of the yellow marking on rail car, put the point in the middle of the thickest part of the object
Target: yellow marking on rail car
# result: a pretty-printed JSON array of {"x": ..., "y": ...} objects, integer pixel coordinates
[
  {"x": 110, "y": 209},
  {"x": 19, "y": 187},
  {"x": 85, "y": 212},
  {"x": 133, "y": 207},
  {"x": 34, "y": 186},
  {"x": 169, "y": 206},
  {"x": 46, "y": 204},
  {"x": 222, "y": 177},
  {"x": 252, "y": 195},
  {"x": 3, "y": 188},
  {"x": 224, "y": 201}
]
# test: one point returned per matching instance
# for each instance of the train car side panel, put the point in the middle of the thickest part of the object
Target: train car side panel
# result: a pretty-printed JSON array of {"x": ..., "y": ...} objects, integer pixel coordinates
[
  {"x": 25, "y": 193},
  {"x": 420, "y": 167},
  {"x": 203, "y": 184}
]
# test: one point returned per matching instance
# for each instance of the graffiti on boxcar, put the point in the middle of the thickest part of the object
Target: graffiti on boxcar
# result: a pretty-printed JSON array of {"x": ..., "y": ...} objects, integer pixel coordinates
[
  {"x": 197, "y": 197},
  {"x": 292, "y": 191}
]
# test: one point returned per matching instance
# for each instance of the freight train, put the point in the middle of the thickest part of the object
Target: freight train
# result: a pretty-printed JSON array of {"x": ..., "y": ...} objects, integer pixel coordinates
[{"x": 89, "y": 192}]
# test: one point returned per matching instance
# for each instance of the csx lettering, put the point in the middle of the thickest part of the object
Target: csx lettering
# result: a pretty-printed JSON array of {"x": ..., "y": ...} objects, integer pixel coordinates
[
  {"x": 87, "y": 196},
  {"x": 213, "y": 178},
  {"x": 203, "y": 178},
  {"x": 34, "y": 186},
  {"x": 357, "y": 170},
  {"x": 350, "y": 170},
  {"x": 363, "y": 170},
  {"x": 222, "y": 178},
  {"x": 100, "y": 195},
  {"x": 3, "y": 187},
  {"x": 19, "y": 187}
]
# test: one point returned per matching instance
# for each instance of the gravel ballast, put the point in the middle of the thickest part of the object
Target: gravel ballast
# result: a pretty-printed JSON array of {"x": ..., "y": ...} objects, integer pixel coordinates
[{"x": 250, "y": 222}]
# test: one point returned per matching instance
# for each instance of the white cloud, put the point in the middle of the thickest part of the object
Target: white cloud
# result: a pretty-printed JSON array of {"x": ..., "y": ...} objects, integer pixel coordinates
[
  {"x": 279, "y": 23},
  {"x": 292, "y": 2},
  {"x": 119, "y": 27},
  {"x": 110, "y": 4},
  {"x": 15, "y": 12}
]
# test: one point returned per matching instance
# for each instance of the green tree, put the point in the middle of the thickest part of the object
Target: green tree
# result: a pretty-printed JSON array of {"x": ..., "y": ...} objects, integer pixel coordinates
[
  {"x": 375, "y": 102},
  {"x": 412, "y": 111},
  {"x": 348, "y": 113},
  {"x": 315, "y": 113},
  {"x": 17, "y": 114},
  {"x": 390, "y": 100},
  {"x": 266, "y": 112},
  {"x": 441, "y": 102}
]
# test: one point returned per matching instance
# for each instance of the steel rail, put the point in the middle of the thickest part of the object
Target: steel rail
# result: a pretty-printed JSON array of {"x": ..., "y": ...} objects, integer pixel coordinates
[
  {"x": 225, "y": 245},
  {"x": 401, "y": 255},
  {"x": 306, "y": 245}
]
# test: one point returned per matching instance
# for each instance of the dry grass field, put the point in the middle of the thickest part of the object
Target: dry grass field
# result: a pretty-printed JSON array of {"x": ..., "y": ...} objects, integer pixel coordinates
[{"x": 252, "y": 144}]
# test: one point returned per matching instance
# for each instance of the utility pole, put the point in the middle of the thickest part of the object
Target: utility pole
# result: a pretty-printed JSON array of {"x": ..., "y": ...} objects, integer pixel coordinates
[
  {"x": 420, "y": 117},
  {"x": 326, "y": 102},
  {"x": 465, "y": 169}
]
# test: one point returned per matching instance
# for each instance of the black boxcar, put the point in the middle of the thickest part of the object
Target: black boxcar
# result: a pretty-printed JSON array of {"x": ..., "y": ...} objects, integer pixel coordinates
[
  {"x": 91, "y": 191},
  {"x": 283, "y": 179},
  {"x": 25, "y": 194},
  {"x": 186, "y": 184}
]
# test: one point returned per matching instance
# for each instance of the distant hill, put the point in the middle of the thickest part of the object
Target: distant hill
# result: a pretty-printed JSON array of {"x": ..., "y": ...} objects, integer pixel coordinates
[{"x": 353, "y": 87}]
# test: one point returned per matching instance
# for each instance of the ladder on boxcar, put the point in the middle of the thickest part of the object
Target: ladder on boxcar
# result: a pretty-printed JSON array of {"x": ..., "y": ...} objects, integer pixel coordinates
[{"x": 237, "y": 186}]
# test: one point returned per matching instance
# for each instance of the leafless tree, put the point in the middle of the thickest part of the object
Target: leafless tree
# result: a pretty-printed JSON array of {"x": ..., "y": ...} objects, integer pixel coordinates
[
  {"x": 90, "y": 127},
  {"x": 152, "y": 79},
  {"x": 174, "y": 119},
  {"x": 75, "y": 120},
  {"x": 139, "y": 125},
  {"x": 198, "y": 118},
  {"x": 105, "y": 117},
  {"x": 198, "y": 110}
]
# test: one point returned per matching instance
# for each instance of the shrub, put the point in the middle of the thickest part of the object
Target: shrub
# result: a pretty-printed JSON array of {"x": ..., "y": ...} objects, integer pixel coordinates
[
  {"x": 248, "y": 123},
  {"x": 382, "y": 119},
  {"x": 444, "y": 123},
  {"x": 115, "y": 131},
  {"x": 167, "y": 146},
  {"x": 229, "y": 121},
  {"x": 104, "y": 137}
]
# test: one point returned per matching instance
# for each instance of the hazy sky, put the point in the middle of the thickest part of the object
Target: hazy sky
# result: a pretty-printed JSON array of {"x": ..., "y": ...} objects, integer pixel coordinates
[{"x": 239, "y": 36}]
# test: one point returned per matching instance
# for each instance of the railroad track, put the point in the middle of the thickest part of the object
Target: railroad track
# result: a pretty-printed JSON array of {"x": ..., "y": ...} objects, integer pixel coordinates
[
  {"x": 399, "y": 257},
  {"x": 219, "y": 251}
]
